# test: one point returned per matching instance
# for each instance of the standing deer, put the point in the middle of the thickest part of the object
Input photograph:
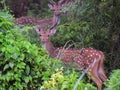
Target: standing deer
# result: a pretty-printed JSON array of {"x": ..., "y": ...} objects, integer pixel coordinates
[
  {"x": 54, "y": 6},
  {"x": 82, "y": 59}
]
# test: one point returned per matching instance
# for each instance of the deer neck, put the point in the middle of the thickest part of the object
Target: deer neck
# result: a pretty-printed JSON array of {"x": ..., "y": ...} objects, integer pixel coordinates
[
  {"x": 56, "y": 20},
  {"x": 49, "y": 47}
]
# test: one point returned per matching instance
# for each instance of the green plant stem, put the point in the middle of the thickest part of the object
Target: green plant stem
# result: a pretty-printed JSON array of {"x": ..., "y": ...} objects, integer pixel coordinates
[
  {"x": 83, "y": 73},
  {"x": 80, "y": 78}
]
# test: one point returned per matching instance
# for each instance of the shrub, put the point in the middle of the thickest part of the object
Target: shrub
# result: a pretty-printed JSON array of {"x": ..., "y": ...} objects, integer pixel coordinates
[
  {"x": 114, "y": 80},
  {"x": 65, "y": 80},
  {"x": 22, "y": 65},
  {"x": 77, "y": 32},
  {"x": 30, "y": 33}
]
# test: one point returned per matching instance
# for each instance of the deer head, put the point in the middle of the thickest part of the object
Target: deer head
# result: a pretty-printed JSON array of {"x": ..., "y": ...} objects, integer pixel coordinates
[
  {"x": 56, "y": 8},
  {"x": 45, "y": 34},
  {"x": 45, "y": 39}
]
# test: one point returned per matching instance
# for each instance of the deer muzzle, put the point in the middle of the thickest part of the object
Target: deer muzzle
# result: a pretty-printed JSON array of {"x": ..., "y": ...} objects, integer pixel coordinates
[{"x": 43, "y": 42}]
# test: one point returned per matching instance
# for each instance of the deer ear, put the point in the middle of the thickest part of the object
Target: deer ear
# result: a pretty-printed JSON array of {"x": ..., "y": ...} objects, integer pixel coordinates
[
  {"x": 52, "y": 32},
  {"x": 51, "y": 6},
  {"x": 37, "y": 30}
]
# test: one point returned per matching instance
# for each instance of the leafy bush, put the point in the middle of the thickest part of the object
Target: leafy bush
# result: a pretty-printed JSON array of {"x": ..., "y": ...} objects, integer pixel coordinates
[
  {"x": 65, "y": 81},
  {"x": 72, "y": 31},
  {"x": 81, "y": 35},
  {"x": 29, "y": 33},
  {"x": 114, "y": 80},
  {"x": 23, "y": 65}
]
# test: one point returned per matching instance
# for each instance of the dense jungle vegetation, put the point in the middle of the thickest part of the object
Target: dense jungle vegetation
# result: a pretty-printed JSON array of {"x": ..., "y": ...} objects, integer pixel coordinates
[{"x": 24, "y": 64}]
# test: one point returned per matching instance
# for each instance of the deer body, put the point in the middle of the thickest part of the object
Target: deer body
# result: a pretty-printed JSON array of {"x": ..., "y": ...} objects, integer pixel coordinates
[
  {"x": 81, "y": 59},
  {"x": 33, "y": 21},
  {"x": 53, "y": 21}
]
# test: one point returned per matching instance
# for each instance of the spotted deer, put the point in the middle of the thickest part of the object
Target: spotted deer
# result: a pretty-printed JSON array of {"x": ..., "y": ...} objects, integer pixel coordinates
[
  {"x": 82, "y": 59},
  {"x": 54, "y": 6}
]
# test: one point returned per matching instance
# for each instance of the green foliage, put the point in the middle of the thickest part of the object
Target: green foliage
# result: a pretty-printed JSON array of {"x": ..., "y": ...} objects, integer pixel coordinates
[
  {"x": 65, "y": 80},
  {"x": 38, "y": 8},
  {"x": 29, "y": 33},
  {"x": 4, "y": 24},
  {"x": 23, "y": 65},
  {"x": 81, "y": 35},
  {"x": 114, "y": 80},
  {"x": 73, "y": 32},
  {"x": 3, "y": 5},
  {"x": 5, "y": 15}
]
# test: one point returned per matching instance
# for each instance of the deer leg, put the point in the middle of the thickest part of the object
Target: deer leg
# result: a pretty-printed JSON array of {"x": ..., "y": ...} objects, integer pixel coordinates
[
  {"x": 101, "y": 71},
  {"x": 95, "y": 77}
]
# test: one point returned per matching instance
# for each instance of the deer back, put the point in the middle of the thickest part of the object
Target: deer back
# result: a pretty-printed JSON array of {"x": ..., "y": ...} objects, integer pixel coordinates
[
  {"x": 81, "y": 58},
  {"x": 33, "y": 21}
]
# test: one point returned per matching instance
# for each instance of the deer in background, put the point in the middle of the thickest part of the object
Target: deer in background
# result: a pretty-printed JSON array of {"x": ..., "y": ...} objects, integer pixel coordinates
[
  {"x": 82, "y": 59},
  {"x": 54, "y": 6}
]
